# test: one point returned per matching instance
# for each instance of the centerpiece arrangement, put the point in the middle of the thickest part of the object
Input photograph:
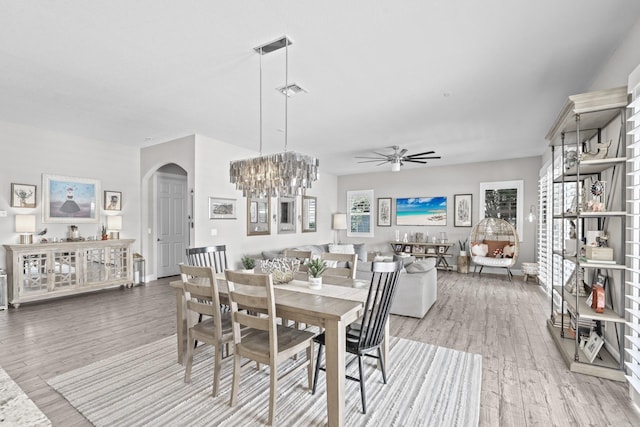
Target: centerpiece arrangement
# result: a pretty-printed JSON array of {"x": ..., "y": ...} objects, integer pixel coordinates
[
  {"x": 316, "y": 267},
  {"x": 248, "y": 264}
]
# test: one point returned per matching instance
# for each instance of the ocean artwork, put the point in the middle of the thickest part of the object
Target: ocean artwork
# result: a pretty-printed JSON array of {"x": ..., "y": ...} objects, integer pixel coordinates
[{"x": 421, "y": 211}]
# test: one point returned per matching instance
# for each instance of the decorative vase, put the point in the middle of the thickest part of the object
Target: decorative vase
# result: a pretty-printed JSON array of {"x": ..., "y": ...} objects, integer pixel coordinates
[
  {"x": 315, "y": 282},
  {"x": 104, "y": 237},
  {"x": 463, "y": 263}
]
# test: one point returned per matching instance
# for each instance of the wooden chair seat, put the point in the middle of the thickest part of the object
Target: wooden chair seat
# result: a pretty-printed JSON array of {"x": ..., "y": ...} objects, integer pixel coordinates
[{"x": 290, "y": 341}]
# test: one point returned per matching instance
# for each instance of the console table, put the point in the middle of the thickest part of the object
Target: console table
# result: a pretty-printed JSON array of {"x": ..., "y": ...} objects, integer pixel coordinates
[
  {"x": 46, "y": 270},
  {"x": 425, "y": 250}
]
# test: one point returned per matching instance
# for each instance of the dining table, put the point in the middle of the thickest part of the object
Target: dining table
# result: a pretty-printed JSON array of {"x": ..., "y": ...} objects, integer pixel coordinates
[{"x": 335, "y": 305}]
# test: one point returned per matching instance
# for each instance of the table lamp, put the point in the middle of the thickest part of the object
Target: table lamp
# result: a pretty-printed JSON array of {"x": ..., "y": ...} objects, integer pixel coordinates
[
  {"x": 339, "y": 223},
  {"x": 114, "y": 225},
  {"x": 26, "y": 224}
]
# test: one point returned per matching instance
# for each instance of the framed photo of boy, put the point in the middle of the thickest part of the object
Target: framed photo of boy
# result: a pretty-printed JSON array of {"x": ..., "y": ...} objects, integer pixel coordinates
[{"x": 112, "y": 200}]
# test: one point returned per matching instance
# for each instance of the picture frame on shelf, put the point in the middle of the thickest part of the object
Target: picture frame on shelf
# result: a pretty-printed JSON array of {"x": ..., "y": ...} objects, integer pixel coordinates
[
  {"x": 407, "y": 249},
  {"x": 222, "y": 208},
  {"x": 593, "y": 346},
  {"x": 431, "y": 251},
  {"x": 462, "y": 210},
  {"x": 112, "y": 200},
  {"x": 23, "y": 195},
  {"x": 418, "y": 249},
  {"x": 384, "y": 211},
  {"x": 68, "y": 199},
  {"x": 397, "y": 247},
  {"x": 442, "y": 249}
]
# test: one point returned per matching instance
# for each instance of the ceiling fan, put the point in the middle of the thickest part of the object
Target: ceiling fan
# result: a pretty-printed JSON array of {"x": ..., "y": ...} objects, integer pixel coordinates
[{"x": 398, "y": 157}]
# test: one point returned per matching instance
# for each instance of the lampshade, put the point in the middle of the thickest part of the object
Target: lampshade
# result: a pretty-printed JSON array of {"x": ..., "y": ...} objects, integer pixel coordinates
[
  {"x": 25, "y": 223},
  {"x": 395, "y": 166},
  {"x": 339, "y": 221},
  {"x": 114, "y": 222}
]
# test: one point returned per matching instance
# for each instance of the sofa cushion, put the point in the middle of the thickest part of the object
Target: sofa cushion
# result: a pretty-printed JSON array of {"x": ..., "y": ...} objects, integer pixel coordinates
[
  {"x": 316, "y": 250},
  {"x": 494, "y": 245},
  {"x": 272, "y": 254},
  {"x": 360, "y": 249},
  {"x": 341, "y": 249},
  {"x": 405, "y": 259},
  {"x": 421, "y": 266}
]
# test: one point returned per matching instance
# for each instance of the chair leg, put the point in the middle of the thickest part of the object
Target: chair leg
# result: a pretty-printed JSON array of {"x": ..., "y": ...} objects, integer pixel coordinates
[
  {"x": 195, "y": 342},
  {"x": 236, "y": 379},
  {"x": 363, "y": 396},
  {"x": 273, "y": 374},
  {"x": 381, "y": 359},
  {"x": 189, "y": 362},
  {"x": 315, "y": 376},
  {"x": 310, "y": 366},
  {"x": 216, "y": 369}
]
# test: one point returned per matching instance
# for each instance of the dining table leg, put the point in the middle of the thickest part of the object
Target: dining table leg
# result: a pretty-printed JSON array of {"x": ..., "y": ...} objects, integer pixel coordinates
[{"x": 335, "y": 341}]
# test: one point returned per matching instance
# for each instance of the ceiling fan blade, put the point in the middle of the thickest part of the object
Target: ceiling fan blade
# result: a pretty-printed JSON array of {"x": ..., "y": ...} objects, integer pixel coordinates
[
  {"x": 415, "y": 161},
  {"x": 373, "y": 161},
  {"x": 365, "y": 157},
  {"x": 386, "y": 156},
  {"x": 382, "y": 163},
  {"x": 421, "y": 154},
  {"x": 402, "y": 152},
  {"x": 422, "y": 158}
]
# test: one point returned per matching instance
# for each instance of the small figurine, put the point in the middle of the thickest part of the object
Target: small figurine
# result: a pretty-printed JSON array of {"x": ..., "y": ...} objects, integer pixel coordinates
[{"x": 601, "y": 152}]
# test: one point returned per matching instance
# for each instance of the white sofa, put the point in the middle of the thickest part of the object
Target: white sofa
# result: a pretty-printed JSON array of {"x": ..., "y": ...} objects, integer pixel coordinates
[{"x": 417, "y": 287}]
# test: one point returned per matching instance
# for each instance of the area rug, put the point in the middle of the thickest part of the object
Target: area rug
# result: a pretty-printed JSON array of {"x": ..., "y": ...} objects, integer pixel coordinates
[
  {"x": 427, "y": 385},
  {"x": 16, "y": 409}
]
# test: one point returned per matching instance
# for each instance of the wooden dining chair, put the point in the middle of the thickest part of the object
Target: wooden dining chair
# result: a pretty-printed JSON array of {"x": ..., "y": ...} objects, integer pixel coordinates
[
  {"x": 202, "y": 299},
  {"x": 303, "y": 256},
  {"x": 367, "y": 335},
  {"x": 264, "y": 341},
  {"x": 340, "y": 265},
  {"x": 209, "y": 256}
]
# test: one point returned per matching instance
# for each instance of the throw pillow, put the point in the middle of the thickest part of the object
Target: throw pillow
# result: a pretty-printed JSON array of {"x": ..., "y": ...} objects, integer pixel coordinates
[
  {"x": 508, "y": 251},
  {"x": 406, "y": 260},
  {"x": 496, "y": 244},
  {"x": 341, "y": 249},
  {"x": 479, "y": 249},
  {"x": 361, "y": 251}
]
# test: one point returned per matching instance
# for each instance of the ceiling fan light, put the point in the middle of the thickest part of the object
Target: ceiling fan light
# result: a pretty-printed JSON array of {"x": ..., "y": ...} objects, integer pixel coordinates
[{"x": 395, "y": 166}]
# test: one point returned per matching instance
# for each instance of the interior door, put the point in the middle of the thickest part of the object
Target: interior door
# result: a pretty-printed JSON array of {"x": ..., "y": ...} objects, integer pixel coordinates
[{"x": 171, "y": 220}]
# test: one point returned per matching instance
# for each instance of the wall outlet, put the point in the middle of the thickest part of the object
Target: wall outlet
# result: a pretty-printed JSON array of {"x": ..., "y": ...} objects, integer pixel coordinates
[{"x": 214, "y": 231}]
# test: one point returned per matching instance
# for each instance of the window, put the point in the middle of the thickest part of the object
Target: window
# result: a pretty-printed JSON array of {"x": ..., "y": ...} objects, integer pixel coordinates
[
  {"x": 359, "y": 213},
  {"x": 503, "y": 199}
]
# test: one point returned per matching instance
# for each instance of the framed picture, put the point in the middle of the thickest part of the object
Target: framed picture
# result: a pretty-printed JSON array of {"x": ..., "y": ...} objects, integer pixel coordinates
[
  {"x": 593, "y": 346},
  {"x": 23, "y": 196},
  {"x": 462, "y": 210},
  {"x": 253, "y": 212},
  {"x": 418, "y": 249},
  {"x": 397, "y": 247},
  {"x": 431, "y": 250},
  {"x": 70, "y": 200},
  {"x": 384, "y": 212},
  {"x": 421, "y": 211},
  {"x": 442, "y": 249},
  {"x": 112, "y": 200},
  {"x": 407, "y": 249},
  {"x": 220, "y": 208}
]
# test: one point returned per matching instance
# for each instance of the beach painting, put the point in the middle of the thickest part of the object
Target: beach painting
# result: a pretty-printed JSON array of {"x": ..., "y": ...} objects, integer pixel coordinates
[{"x": 421, "y": 211}]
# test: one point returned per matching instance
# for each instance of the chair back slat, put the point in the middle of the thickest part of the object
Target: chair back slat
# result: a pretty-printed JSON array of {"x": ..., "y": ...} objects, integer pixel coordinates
[
  {"x": 303, "y": 256},
  {"x": 201, "y": 291},
  {"x": 348, "y": 271},
  {"x": 253, "y": 292},
  {"x": 381, "y": 293},
  {"x": 208, "y": 256}
]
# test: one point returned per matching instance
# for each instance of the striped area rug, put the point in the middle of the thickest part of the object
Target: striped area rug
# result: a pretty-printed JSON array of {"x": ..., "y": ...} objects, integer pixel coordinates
[{"x": 428, "y": 386}]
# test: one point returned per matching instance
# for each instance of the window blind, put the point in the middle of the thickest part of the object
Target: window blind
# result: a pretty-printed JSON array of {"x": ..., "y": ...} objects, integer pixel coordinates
[
  {"x": 632, "y": 242},
  {"x": 544, "y": 219}
]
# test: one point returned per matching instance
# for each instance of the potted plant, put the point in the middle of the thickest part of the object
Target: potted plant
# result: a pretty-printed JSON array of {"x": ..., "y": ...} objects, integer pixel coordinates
[
  {"x": 463, "y": 259},
  {"x": 316, "y": 267},
  {"x": 248, "y": 263}
]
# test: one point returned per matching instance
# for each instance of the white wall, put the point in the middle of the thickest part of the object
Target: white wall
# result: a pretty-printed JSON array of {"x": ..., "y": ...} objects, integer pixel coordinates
[
  {"x": 206, "y": 161},
  {"x": 29, "y": 152},
  {"x": 445, "y": 181}
]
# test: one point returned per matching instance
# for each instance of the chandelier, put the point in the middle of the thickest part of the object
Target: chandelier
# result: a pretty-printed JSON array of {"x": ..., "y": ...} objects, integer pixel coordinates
[{"x": 282, "y": 174}]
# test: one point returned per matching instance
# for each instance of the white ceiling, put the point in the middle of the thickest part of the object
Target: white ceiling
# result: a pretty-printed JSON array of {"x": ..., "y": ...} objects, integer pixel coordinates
[{"x": 472, "y": 80}]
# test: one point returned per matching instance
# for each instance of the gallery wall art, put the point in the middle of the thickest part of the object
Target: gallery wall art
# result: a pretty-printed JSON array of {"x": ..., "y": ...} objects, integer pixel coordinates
[{"x": 421, "y": 211}]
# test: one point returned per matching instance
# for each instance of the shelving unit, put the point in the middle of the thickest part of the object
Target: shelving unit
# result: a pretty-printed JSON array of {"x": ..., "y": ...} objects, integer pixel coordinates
[
  {"x": 583, "y": 121},
  {"x": 425, "y": 250}
]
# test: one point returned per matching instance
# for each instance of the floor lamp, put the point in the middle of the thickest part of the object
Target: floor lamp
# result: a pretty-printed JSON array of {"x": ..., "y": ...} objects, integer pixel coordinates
[{"x": 339, "y": 223}]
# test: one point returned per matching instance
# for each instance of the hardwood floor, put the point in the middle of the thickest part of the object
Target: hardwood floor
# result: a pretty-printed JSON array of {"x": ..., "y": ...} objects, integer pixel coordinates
[{"x": 524, "y": 380}]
